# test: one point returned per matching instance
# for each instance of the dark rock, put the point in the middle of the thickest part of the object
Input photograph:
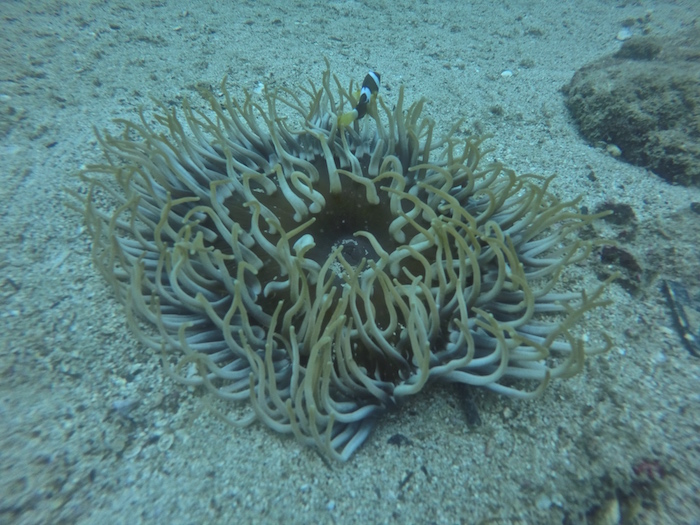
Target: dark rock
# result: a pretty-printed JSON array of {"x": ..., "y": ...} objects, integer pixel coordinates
[
  {"x": 640, "y": 48},
  {"x": 645, "y": 100}
]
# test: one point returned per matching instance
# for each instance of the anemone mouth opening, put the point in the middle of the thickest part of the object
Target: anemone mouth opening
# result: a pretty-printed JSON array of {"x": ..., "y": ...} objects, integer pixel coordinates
[{"x": 345, "y": 214}]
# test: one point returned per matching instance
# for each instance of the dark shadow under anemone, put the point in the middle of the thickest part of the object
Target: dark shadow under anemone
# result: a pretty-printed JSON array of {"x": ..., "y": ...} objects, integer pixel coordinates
[{"x": 324, "y": 272}]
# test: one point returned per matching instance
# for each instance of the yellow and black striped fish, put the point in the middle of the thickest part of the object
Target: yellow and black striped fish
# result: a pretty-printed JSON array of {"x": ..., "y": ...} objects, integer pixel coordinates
[{"x": 370, "y": 87}]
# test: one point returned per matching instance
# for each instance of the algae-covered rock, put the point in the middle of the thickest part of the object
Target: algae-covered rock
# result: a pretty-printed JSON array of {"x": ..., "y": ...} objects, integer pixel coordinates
[{"x": 645, "y": 99}]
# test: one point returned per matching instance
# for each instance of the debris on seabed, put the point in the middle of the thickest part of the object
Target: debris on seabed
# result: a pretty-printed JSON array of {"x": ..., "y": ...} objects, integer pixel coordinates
[{"x": 678, "y": 301}]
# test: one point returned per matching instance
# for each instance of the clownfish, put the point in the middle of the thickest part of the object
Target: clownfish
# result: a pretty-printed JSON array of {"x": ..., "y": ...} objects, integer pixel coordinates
[{"x": 370, "y": 87}]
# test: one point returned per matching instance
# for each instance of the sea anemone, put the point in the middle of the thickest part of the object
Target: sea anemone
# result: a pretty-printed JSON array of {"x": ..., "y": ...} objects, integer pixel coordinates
[{"x": 324, "y": 272}]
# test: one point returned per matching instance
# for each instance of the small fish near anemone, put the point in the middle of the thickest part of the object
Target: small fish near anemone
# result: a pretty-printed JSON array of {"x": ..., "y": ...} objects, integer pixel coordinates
[{"x": 323, "y": 269}]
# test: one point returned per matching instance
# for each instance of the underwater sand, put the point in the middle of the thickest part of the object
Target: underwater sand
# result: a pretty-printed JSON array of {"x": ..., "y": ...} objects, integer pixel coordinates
[{"x": 93, "y": 431}]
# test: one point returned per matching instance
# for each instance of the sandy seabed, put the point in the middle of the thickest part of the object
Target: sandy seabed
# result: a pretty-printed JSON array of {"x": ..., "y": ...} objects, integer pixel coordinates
[{"x": 93, "y": 431}]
